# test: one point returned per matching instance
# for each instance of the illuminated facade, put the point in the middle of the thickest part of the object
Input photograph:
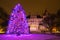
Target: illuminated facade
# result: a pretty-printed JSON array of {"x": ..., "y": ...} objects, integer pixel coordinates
[{"x": 34, "y": 24}]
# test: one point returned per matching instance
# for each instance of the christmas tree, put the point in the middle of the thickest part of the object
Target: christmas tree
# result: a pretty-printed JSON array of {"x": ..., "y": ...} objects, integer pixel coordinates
[{"x": 18, "y": 23}]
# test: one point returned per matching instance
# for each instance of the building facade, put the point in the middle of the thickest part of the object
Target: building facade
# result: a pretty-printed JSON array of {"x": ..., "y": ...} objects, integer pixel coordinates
[{"x": 36, "y": 24}]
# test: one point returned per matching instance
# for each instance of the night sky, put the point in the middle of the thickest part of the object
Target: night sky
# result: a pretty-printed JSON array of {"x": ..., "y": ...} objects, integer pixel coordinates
[{"x": 33, "y": 7}]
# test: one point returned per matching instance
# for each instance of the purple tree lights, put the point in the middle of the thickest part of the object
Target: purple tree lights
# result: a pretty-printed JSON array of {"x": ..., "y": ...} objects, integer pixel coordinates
[{"x": 18, "y": 23}]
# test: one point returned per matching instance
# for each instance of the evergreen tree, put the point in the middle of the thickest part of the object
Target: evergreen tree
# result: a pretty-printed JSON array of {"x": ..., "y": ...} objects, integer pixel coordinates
[{"x": 18, "y": 23}]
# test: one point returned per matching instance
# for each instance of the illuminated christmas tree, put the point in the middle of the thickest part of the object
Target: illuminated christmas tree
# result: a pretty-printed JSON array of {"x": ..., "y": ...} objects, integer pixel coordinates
[{"x": 18, "y": 23}]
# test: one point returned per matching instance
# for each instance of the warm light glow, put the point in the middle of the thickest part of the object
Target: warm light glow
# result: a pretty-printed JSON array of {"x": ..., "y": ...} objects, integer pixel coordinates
[
  {"x": 55, "y": 30},
  {"x": 33, "y": 27},
  {"x": 42, "y": 27},
  {"x": 1, "y": 30}
]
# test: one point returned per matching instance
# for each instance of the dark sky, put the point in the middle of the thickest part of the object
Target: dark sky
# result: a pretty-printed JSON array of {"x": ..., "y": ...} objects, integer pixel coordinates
[{"x": 33, "y": 6}]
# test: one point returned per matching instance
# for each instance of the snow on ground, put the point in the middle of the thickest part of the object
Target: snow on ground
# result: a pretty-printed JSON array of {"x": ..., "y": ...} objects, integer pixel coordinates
[{"x": 28, "y": 37}]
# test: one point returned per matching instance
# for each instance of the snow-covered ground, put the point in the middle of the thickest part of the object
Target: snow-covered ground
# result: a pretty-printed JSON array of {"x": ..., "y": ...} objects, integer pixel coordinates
[{"x": 28, "y": 37}]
